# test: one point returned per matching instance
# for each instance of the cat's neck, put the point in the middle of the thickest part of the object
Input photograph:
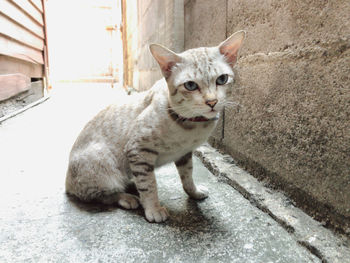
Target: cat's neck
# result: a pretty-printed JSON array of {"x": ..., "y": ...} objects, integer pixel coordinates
[{"x": 176, "y": 117}]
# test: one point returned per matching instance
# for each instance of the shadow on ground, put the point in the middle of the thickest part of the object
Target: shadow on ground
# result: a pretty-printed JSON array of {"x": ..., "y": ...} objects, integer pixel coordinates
[{"x": 39, "y": 223}]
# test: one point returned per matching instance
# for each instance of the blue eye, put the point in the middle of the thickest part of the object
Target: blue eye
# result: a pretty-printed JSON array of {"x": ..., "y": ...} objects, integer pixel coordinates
[
  {"x": 191, "y": 85},
  {"x": 222, "y": 80}
]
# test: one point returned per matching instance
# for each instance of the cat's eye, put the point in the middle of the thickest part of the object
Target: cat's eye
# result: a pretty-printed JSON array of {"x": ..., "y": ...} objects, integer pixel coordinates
[
  {"x": 222, "y": 79},
  {"x": 191, "y": 85}
]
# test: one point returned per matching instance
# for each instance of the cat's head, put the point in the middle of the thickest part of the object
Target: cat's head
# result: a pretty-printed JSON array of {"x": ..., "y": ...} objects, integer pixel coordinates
[{"x": 199, "y": 79}]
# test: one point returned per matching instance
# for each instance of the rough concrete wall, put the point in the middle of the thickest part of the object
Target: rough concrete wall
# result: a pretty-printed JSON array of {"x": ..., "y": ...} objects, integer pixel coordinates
[
  {"x": 162, "y": 22},
  {"x": 293, "y": 88},
  {"x": 291, "y": 127}
]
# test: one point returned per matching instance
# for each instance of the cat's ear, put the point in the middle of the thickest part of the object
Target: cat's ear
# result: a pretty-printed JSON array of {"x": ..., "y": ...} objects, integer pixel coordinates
[
  {"x": 230, "y": 47},
  {"x": 165, "y": 58}
]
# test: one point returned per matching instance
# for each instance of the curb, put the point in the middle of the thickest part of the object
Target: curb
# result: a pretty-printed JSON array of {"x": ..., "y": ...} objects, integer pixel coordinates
[
  {"x": 31, "y": 105},
  {"x": 308, "y": 232}
]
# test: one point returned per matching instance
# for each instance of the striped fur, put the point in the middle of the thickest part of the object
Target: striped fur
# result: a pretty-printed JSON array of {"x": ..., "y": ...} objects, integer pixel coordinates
[{"x": 124, "y": 143}]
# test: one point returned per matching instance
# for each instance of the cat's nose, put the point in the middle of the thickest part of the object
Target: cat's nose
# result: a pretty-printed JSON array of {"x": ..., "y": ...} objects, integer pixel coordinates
[{"x": 211, "y": 103}]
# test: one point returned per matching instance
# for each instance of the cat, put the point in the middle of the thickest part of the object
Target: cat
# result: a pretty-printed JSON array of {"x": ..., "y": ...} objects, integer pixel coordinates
[{"x": 124, "y": 143}]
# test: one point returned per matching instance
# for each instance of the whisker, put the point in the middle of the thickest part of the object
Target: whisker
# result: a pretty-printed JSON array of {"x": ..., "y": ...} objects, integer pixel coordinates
[
  {"x": 177, "y": 107},
  {"x": 232, "y": 104}
]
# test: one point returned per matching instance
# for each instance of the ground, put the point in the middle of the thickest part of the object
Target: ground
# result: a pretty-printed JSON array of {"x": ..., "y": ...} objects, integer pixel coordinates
[{"x": 39, "y": 223}]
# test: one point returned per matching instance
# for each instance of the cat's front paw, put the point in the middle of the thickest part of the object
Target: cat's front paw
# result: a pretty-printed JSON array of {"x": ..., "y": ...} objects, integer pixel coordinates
[
  {"x": 200, "y": 193},
  {"x": 156, "y": 214}
]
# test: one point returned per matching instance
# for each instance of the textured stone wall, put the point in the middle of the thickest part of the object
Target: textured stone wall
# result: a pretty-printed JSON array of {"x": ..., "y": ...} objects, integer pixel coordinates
[
  {"x": 291, "y": 127},
  {"x": 292, "y": 124}
]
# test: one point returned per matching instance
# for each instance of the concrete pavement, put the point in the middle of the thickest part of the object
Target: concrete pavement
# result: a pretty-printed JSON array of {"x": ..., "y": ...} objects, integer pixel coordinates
[{"x": 39, "y": 223}]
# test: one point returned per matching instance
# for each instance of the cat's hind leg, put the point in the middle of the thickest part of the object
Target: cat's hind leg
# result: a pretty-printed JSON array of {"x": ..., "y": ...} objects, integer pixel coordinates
[
  {"x": 124, "y": 200},
  {"x": 93, "y": 175},
  {"x": 128, "y": 201},
  {"x": 98, "y": 191}
]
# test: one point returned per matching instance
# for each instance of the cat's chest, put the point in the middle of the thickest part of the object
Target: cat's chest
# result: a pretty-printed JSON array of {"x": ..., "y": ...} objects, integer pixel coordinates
[{"x": 174, "y": 145}]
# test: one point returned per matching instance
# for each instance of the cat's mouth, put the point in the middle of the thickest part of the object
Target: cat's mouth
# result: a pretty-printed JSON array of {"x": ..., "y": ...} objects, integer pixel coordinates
[{"x": 211, "y": 114}]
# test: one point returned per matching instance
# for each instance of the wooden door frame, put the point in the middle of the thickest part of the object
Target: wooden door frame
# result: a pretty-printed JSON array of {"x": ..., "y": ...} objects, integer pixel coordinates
[
  {"x": 125, "y": 81},
  {"x": 46, "y": 80}
]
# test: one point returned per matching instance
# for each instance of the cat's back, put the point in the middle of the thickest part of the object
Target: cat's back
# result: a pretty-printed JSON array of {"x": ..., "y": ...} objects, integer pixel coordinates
[{"x": 112, "y": 124}]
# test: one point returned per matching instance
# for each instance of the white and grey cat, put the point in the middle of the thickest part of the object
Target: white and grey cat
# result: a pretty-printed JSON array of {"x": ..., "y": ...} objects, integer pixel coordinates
[{"x": 124, "y": 143}]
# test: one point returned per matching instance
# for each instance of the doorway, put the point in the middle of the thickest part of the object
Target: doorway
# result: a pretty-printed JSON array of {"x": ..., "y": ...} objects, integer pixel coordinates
[{"x": 84, "y": 40}]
